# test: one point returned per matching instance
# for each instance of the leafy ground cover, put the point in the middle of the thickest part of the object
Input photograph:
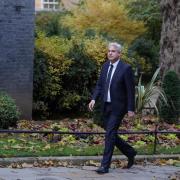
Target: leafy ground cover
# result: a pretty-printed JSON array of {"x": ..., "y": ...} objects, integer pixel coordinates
[{"x": 20, "y": 145}]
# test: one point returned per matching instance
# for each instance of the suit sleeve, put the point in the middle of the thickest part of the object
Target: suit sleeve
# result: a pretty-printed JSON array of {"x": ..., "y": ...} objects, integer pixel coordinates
[
  {"x": 130, "y": 88},
  {"x": 98, "y": 89}
]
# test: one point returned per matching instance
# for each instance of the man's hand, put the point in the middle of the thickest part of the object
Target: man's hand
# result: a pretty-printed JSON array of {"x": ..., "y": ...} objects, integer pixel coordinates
[
  {"x": 91, "y": 105},
  {"x": 131, "y": 114}
]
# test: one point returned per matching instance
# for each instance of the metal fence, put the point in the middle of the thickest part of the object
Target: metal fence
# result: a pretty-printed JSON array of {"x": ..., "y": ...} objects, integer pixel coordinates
[{"x": 155, "y": 133}]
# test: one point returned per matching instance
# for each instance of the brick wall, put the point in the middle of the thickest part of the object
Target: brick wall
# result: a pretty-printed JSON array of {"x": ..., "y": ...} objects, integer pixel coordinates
[{"x": 17, "y": 52}]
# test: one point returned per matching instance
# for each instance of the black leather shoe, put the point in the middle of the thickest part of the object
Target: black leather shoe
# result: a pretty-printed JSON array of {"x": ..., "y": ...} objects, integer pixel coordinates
[
  {"x": 131, "y": 161},
  {"x": 102, "y": 170}
]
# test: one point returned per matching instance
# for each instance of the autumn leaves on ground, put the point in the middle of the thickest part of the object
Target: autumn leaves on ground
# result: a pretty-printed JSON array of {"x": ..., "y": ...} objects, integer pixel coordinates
[
  {"x": 83, "y": 144},
  {"x": 34, "y": 145}
]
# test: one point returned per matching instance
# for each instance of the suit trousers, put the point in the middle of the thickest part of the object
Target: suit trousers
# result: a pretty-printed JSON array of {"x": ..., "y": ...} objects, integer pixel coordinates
[{"x": 111, "y": 125}]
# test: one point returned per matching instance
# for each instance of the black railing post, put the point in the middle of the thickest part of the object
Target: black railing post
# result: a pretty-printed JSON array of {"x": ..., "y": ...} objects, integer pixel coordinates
[{"x": 155, "y": 139}]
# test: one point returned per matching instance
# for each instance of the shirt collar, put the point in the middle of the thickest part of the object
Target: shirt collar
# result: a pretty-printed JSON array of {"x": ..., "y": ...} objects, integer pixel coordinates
[{"x": 115, "y": 64}]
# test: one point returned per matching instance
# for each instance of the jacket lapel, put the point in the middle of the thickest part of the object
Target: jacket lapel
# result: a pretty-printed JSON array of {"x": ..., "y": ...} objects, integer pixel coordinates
[
  {"x": 106, "y": 70},
  {"x": 118, "y": 68}
]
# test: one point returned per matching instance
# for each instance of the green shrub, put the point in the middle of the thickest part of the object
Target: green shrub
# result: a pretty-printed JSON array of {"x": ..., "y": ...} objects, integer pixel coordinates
[
  {"x": 81, "y": 77},
  {"x": 149, "y": 51},
  {"x": 40, "y": 110},
  {"x": 66, "y": 67},
  {"x": 50, "y": 64},
  {"x": 171, "y": 86},
  {"x": 9, "y": 114}
]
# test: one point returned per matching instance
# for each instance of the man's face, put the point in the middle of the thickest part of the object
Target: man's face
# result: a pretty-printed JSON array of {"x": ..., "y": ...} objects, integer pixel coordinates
[{"x": 113, "y": 54}]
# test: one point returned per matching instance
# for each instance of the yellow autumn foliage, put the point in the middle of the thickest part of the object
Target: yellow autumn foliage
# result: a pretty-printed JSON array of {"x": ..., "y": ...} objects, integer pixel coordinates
[
  {"x": 105, "y": 16},
  {"x": 96, "y": 49},
  {"x": 55, "y": 49}
]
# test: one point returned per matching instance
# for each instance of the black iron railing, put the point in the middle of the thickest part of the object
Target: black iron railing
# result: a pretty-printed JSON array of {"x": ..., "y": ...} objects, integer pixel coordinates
[{"x": 155, "y": 133}]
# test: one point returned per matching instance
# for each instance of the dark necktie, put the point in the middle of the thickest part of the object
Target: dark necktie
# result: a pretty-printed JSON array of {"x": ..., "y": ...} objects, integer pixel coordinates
[{"x": 107, "y": 83}]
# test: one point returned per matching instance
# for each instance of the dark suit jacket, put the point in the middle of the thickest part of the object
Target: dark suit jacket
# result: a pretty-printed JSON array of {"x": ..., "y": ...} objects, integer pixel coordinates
[{"x": 122, "y": 88}]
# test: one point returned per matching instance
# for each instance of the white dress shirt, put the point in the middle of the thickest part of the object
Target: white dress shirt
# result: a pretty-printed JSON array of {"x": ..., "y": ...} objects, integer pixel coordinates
[{"x": 113, "y": 70}]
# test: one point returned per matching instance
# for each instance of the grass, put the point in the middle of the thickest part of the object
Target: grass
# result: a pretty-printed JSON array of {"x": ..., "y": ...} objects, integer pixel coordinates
[{"x": 21, "y": 147}]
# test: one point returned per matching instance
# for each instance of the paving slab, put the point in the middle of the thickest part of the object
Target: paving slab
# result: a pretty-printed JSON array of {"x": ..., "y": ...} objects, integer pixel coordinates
[
  {"x": 79, "y": 160},
  {"x": 137, "y": 172}
]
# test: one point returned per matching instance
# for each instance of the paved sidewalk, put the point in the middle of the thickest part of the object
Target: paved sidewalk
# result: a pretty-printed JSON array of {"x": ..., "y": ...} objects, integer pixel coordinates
[{"x": 137, "y": 172}]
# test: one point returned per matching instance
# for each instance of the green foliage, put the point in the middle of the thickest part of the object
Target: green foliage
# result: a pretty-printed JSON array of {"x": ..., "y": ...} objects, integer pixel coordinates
[
  {"x": 146, "y": 49},
  {"x": 172, "y": 137},
  {"x": 9, "y": 113},
  {"x": 58, "y": 61},
  {"x": 67, "y": 62},
  {"x": 147, "y": 45},
  {"x": 50, "y": 65},
  {"x": 80, "y": 77},
  {"x": 171, "y": 86},
  {"x": 145, "y": 95},
  {"x": 139, "y": 144},
  {"x": 50, "y": 23},
  {"x": 148, "y": 12},
  {"x": 124, "y": 137},
  {"x": 150, "y": 138}
]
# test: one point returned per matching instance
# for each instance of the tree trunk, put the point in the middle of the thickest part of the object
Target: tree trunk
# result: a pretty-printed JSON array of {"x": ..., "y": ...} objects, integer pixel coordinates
[{"x": 170, "y": 36}]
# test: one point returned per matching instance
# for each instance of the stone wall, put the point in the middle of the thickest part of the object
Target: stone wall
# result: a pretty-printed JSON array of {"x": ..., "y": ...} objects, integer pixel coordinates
[
  {"x": 170, "y": 36},
  {"x": 17, "y": 52}
]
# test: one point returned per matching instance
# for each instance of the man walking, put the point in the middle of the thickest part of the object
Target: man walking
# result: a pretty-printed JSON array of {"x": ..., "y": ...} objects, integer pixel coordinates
[{"x": 116, "y": 90}]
